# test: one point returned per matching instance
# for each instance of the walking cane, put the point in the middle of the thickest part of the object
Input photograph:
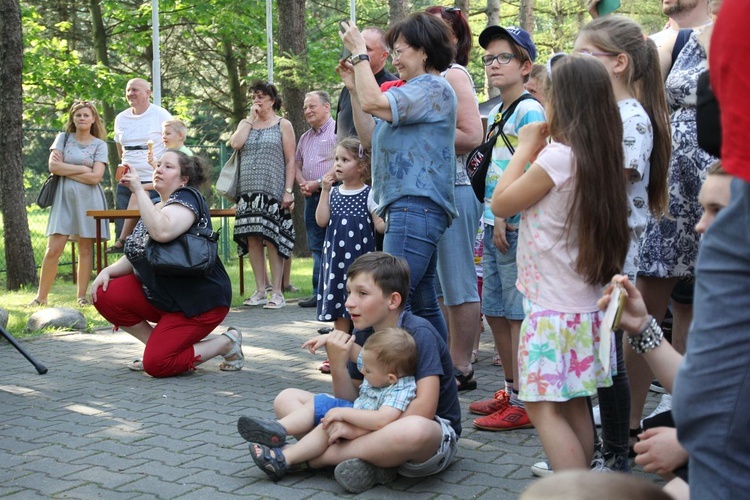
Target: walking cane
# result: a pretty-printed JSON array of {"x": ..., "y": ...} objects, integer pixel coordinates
[{"x": 40, "y": 368}]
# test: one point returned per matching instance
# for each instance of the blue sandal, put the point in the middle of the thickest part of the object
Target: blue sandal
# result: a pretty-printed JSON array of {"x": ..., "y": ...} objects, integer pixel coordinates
[{"x": 274, "y": 466}]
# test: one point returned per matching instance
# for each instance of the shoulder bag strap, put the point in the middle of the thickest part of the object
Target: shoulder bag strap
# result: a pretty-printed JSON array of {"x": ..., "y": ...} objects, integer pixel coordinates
[
  {"x": 203, "y": 213},
  {"x": 506, "y": 116}
]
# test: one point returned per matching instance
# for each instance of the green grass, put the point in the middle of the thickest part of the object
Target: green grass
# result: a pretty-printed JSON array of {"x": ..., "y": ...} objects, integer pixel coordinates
[{"x": 63, "y": 293}]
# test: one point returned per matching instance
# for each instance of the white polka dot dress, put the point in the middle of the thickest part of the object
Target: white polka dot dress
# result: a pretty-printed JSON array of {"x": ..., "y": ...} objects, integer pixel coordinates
[{"x": 350, "y": 233}]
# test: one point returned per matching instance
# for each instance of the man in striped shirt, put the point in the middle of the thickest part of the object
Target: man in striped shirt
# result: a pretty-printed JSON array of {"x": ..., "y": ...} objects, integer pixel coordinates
[{"x": 314, "y": 158}]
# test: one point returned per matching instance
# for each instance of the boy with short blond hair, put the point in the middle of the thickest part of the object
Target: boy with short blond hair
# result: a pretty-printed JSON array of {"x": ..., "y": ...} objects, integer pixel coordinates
[
  {"x": 173, "y": 134},
  {"x": 509, "y": 57}
]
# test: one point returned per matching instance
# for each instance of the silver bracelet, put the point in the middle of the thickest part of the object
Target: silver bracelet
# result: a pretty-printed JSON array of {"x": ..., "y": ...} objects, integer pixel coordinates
[{"x": 649, "y": 338}]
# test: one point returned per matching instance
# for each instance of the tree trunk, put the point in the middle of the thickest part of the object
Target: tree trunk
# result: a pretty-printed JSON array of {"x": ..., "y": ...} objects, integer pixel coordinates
[
  {"x": 397, "y": 10},
  {"x": 464, "y": 6},
  {"x": 237, "y": 89},
  {"x": 493, "y": 18},
  {"x": 108, "y": 110},
  {"x": 292, "y": 70},
  {"x": 19, "y": 255},
  {"x": 526, "y": 15}
]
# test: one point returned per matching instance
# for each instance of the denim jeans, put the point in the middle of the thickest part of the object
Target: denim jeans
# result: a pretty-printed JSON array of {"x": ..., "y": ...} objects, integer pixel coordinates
[
  {"x": 315, "y": 236},
  {"x": 711, "y": 404},
  {"x": 413, "y": 228}
]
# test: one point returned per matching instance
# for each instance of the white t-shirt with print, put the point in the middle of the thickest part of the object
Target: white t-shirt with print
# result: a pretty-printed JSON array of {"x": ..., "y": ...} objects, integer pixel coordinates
[{"x": 637, "y": 144}]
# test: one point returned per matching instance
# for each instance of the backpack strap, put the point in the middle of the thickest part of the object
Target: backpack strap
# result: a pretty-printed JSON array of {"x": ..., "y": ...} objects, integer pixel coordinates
[{"x": 505, "y": 115}]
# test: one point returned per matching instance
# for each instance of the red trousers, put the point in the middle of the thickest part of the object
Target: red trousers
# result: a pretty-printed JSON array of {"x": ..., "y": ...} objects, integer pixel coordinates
[{"x": 169, "y": 350}]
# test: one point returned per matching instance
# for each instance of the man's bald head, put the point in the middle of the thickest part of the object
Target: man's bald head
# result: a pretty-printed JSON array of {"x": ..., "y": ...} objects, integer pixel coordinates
[{"x": 377, "y": 48}]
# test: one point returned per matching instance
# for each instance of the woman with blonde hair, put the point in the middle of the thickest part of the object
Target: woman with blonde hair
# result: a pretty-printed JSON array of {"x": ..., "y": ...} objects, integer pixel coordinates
[{"x": 79, "y": 157}]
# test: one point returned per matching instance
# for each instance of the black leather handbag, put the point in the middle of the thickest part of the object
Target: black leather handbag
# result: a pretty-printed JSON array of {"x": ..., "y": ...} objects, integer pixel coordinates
[
  {"x": 193, "y": 253},
  {"x": 46, "y": 195}
]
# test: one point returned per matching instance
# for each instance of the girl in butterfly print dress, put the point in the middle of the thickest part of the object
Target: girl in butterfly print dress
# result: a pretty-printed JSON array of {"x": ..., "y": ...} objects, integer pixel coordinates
[
  {"x": 573, "y": 236},
  {"x": 348, "y": 213}
]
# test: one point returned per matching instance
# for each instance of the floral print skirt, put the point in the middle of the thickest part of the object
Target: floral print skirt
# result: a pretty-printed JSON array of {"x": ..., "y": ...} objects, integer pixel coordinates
[{"x": 558, "y": 355}]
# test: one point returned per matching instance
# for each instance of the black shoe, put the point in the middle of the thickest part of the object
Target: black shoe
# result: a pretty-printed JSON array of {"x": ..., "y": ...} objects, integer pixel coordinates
[{"x": 311, "y": 302}]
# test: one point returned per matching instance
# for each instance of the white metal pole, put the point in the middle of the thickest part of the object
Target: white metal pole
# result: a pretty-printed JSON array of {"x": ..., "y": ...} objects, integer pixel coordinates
[
  {"x": 269, "y": 39},
  {"x": 353, "y": 11},
  {"x": 156, "y": 64}
]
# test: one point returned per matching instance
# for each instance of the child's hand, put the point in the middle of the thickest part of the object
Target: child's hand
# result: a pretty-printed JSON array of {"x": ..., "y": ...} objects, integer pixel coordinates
[
  {"x": 315, "y": 343},
  {"x": 333, "y": 415},
  {"x": 328, "y": 179},
  {"x": 498, "y": 237},
  {"x": 532, "y": 138},
  {"x": 151, "y": 160},
  {"x": 338, "y": 347}
]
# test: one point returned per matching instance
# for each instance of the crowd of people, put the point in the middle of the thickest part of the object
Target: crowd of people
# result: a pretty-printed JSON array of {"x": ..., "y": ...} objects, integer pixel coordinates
[{"x": 568, "y": 211}]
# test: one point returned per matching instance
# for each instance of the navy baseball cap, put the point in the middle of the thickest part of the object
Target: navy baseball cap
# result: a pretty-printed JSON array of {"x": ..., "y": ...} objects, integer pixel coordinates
[{"x": 519, "y": 35}]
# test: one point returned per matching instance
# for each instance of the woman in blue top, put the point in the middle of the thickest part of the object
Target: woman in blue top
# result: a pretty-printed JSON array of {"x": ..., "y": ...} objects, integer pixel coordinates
[{"x": 411, "y": 130}]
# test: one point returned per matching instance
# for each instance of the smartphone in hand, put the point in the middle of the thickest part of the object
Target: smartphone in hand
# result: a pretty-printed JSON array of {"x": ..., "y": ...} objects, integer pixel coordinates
[
  {"x": 121, "y": 170},
  {"x": 611, "y": 323},
  {"x": 345, "y": 54}
]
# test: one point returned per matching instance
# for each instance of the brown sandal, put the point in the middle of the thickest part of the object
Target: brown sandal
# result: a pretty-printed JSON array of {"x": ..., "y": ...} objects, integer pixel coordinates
[{"x": 115, "y": 248}]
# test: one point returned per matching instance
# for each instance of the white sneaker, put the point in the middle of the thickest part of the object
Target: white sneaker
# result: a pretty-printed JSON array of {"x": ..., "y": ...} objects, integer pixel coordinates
[
  {"x": 541, "y": 469},
  {"x": 664, "y": 405},
  {"x": 597, "y": 416}
]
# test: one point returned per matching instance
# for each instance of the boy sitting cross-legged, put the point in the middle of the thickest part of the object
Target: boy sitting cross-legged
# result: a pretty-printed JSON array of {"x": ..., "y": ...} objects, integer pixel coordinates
[
  {"x": 423, "y": 440},
  {"x": 388, "y": 361}
]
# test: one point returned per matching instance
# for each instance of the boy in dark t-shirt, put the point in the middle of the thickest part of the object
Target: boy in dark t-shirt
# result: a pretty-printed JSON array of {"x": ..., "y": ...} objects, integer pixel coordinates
[{"x": 424, "y": 440}]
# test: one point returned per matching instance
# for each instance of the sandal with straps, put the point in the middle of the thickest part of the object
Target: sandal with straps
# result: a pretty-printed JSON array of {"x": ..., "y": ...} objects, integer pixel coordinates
[
  {"x": 274, "y": 466},
  {"x": 237, "y": 360},
  {"x": 275, "y": 301},
  {"x": 465, "y": 382},
  {"x": 37, "y": 303},
  {"x": 115, "y": 248}
]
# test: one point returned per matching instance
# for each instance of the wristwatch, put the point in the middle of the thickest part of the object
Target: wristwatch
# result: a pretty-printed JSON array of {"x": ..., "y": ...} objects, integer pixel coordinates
[
  {"x": 288, "y": 190},
  {"x": 356, "y": 59}
]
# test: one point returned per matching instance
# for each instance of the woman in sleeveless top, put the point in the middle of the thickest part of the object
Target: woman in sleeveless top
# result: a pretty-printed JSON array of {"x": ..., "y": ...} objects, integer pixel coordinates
[{"x": 266, "y": 143}]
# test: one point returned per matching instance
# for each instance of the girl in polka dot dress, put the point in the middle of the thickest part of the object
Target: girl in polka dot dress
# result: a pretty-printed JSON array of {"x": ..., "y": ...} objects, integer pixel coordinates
[{"x": 347, "y": 211}]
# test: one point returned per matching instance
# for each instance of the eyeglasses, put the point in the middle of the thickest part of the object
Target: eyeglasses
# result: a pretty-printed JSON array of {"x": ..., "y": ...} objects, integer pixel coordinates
[
  {"x": 590, "y": 53},
  {"x": 452, "y": 10},
  {"x": 502, "y": 58},
  {"x": 396, "y": 53}
]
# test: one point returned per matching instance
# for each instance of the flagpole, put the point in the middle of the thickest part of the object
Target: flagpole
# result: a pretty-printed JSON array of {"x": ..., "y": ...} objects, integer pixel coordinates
[{"x": 156, "y": 63}]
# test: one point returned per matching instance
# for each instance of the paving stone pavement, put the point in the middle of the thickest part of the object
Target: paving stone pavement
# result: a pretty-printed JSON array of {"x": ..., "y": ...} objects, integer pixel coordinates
[{"x": 91, "y": 428}]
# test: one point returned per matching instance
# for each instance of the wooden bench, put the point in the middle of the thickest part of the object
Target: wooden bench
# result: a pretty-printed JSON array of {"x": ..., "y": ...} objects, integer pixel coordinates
[{"x": 107, "y": 215}]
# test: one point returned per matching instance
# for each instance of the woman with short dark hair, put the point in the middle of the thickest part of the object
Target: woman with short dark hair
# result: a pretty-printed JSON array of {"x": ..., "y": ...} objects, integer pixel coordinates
[
  {"x": 266, "y": 145},
  {"x": 171, "y": 315},
  {"x": 411, "y": 130}
]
